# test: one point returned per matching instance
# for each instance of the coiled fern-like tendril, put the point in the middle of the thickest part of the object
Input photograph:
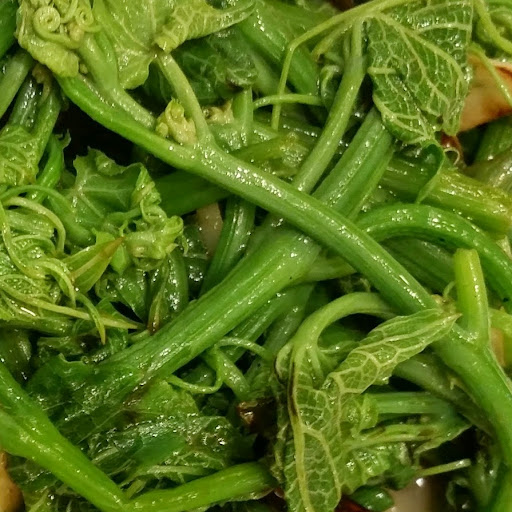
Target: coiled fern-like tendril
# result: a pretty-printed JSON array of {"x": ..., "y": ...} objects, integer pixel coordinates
[{"x": 63, "y": 21}]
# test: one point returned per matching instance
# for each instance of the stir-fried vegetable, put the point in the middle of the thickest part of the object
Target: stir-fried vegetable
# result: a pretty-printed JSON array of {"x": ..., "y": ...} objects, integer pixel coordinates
[{"x": 255, "y": 254}]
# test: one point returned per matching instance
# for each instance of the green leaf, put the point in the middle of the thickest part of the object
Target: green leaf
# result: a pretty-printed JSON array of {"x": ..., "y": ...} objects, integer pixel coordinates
[
  {"x": 166, "y": 24},
  {"x": 418, "y": 65},
  {"x": 53, "y": 31},
  {"x": 132, "y": 27},
  {"x": 88, "y": 265},
  {"x": 191, "y": 19},
  {"x": 217, "y": 66},
  {"x": 111, "y": 201},
  {"x": 326, "y": 454},
  {"x": 101, "y": 188},
  {"x": 19, "y": 156}
]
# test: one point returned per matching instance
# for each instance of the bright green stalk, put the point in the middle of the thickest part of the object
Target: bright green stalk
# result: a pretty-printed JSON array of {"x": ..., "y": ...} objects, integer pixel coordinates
[
  {"x": 25, "y": 106},
  {"x": 410, "y": 402},
  {"x": 254, "y": 281},
  {"x": 16, "y": 70},
  {"x": 445, "y": 228},
  {"x": 486, "y": 206},
  {"x": 335, "y": 127},
  {"x": 51, "y": 173},
  {"x": 497, "y": 138},
  {"x": 354, "y": 303},
  {"x": 47, "y": 113},
  {"x": 321, "y": 222},
  {"x": 428, "y": 263},
  {"x": 237, "y": 227},
  {"x": 227, "y": 485},
  {"x": 472, "y": 295}
]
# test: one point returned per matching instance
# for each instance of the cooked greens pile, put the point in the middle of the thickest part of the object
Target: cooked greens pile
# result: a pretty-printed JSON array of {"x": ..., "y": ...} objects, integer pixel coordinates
[{"x": 255, "y": 255}]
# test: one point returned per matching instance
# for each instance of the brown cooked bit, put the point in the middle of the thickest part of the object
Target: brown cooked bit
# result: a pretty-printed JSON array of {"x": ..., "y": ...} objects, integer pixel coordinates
[
  {"x": 485, "y": 101},
  {"x": 10, "y": 496},
  {"x": 347, "y": 505}
]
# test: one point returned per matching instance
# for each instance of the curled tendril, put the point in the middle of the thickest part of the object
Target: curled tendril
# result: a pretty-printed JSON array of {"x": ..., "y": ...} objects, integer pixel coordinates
[
  {"x": 47, "y": 24},
  {"x": 63, "y": 22},
  {"x": 75, "y": 32},
  {"x": 47, "y": 20},
  {"x": 69, "y": 14},
  {"x": 84, "y": 17}
]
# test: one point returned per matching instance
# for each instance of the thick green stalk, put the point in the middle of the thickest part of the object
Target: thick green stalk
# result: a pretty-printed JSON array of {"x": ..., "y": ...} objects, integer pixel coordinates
[
  {"x": 496, "y": 173},
  {"x": 46, "y": 116},
  {"x": 472, "y": 295},
  {"x": 322, "y": 223},
  {"x": 484, "y": 205},
  {"x": 51, "y": 173},
  {"x": 349, "y": 173},
  {"x": 428, "y": 263},
  {"x": 406, "y": 403},
  {"x": 497, "y": 138},
  {"x": 227, "y": 485},
  {"x": 8, "y": 9},
  {"x": 16, "y": 70},
  {"x": 447, "y": 229},
  {"x": 354, "y": 303},
  {"x": 269, "y": 192},
  {"x": 313, "y": 166},
  {"x": 25, "y": 106},
  {"x": 254, "y": 281},
  {"x": 237, "y": 227}
]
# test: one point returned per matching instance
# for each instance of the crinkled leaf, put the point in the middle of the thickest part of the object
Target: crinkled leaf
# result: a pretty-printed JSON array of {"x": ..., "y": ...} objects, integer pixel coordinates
[
  {"x": 130, "y": 288},
  {"x": 201, "y": 444},
  {"x": 191, "y": 19},
  {"x": 326, "y": 420},
  {"x": 52, "y": 32},
  {"x": 109, "y": 201},
  {"x": 19, "y": 156},
  {"x": 165, "y": 24},
  {"x": 418, "y": 65},
  {"x": 132, "y": 27},
  {"x": 101, "y": 188}
]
